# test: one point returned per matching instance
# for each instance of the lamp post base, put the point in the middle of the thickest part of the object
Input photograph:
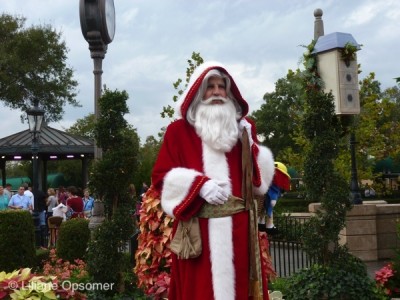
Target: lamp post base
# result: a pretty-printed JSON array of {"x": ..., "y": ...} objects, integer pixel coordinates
[{"x": 356, "y": 198}]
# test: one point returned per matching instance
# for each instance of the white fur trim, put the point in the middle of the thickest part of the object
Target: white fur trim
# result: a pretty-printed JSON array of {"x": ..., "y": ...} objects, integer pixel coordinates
[
  {"x": 221, "y": 255},
  {"x": 177, "y": 184},
  {"x": 220, "y": 230},
  {"x": 265, "y": 161},
  {"x": 216, "y": 166}
]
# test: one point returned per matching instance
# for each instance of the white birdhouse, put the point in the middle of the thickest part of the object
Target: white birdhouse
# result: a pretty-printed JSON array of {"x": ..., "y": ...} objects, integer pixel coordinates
[{"x": 340, "y": 76}]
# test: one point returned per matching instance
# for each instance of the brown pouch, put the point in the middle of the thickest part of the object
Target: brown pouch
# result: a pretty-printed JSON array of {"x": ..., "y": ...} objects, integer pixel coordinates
[{"x": 186, "y": 242}]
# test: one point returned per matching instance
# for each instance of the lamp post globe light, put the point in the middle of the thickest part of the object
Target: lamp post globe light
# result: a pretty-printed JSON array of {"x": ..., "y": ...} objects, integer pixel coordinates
[
  {"x": 35, "y": 120},
  {"x": 97, "y": 18}
]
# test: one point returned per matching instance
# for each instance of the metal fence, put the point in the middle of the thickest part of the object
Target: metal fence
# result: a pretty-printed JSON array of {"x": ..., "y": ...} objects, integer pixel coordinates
[{"x": 285, "y": 247}]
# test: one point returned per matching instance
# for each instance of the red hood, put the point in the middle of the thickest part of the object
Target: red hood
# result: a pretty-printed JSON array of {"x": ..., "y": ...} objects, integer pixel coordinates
[{"x": 195, "y": 82}]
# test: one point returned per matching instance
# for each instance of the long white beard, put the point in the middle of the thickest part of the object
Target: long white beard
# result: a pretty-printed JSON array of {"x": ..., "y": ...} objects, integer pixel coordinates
[{"x": 216, "y": 124}]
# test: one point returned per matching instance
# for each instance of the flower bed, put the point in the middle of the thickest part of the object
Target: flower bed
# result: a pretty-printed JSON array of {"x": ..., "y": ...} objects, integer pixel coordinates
[
  {"x": 59, "y": 280},
  {"x": 388, "y": 280}
]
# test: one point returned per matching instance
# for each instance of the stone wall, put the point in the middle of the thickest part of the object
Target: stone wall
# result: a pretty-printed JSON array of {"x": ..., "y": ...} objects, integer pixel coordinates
[{"x": 370, "y": 232}]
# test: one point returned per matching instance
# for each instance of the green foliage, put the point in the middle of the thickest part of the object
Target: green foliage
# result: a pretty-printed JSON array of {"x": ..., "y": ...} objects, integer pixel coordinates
[
  {"x": 147, "y": 157},
  {"x": 323, "y": 184},
  {"x": 41, "y": 256},
  {"x": 104, "y": 258},
  {"x": 278, "y": 119},
  {"x": 376, "y": 130},
  {"x": 73, "y": 238},
  {"x": 110, "y": 177},
  {"x": 347, "y": 280},
  {"x": 84, "y": 127},
  {"x": 195, "y": 61},
  {"x": 278, "y": 284},
  {"x": 349, "y": 52},
  {"x": 17, "y": 242},
  {"x": 33, "y": 66},
  {"x": 70, "y": 169},
  {"x": 128, "y": 283},
  {"x": 18, "y": 169}
]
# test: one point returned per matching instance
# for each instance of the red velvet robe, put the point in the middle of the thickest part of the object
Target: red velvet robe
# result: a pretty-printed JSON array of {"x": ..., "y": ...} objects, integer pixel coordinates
[{"x": 184, "y": 164}]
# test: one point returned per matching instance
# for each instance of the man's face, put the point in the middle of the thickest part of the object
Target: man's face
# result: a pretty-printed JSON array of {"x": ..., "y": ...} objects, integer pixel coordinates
[
  {"x": 21, "y": 190},
  {"x": 215, "y": 88}
]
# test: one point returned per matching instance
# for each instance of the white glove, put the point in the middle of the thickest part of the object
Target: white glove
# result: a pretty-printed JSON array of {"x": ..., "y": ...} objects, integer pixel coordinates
[
  {"x": 244, "y": 124},
  {"x": 213, "y": 192}
]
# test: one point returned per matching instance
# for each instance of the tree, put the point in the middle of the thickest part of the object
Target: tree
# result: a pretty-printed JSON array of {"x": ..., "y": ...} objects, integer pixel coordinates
[
  {"x": 33, "y": 66},
  {"x": 84, "y": 127},
  {"x": 378, "y": 125},
  {"x": 195, "y": 61},
  {"x": 278, "y": 120},
  {"x": 146, "y": 159},
  {"x": 110, "y": 178},
  {"x": 376, "y": 129}
]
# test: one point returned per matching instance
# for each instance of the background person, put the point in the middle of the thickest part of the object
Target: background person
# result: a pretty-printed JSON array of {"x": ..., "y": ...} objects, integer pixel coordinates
[
  {"x": 74, "y": 203},
  {"x": 28, "y": 193},
  {"x": 3, "y": 199},
  {"x": 52, "y": 201},
  {"x": 20, "y": 201},
  {"x": 7, "y": 190},
  {"x": 88, "y": 203}
]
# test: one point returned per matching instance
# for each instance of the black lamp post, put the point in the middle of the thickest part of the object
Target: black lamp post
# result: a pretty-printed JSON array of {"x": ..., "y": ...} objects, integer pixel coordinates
[
  {"x": 354, "y": 188},
  {"x": 35, "y": 119}
]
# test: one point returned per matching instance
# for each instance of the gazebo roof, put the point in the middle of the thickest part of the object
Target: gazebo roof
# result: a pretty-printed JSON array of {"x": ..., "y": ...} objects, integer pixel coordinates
[{"x": 53, "y": 144}]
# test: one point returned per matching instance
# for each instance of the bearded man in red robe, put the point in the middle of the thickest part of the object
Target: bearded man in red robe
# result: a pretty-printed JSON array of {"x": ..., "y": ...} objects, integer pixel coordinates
[{"x": 200, "y": 163}]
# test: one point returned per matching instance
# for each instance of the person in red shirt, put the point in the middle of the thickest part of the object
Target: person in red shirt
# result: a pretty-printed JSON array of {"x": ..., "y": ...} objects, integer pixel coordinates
[{"x": 74, "y": 203}]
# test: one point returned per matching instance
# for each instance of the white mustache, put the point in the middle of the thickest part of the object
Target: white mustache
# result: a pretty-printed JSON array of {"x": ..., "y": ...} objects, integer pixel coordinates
[{"x": 213, "y": 98}]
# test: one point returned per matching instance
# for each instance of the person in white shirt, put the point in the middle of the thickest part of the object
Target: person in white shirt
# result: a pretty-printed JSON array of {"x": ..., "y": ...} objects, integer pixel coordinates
[{"x": 29, "y": 194}]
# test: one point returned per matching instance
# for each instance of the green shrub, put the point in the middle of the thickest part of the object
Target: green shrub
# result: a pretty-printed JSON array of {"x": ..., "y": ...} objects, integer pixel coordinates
[
  {"x": 41, "y": 256},
  {"x": 73, "y": 238},
  {"x": 337, "y": 281},
  {"x": 17, "y": 240},
  {"x": 278, "y": 284},
  {"x": 104, "y": 260}
]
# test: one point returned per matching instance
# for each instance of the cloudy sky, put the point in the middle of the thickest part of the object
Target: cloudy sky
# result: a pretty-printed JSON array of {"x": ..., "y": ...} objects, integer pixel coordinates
[{"x": 257, "y": 40}]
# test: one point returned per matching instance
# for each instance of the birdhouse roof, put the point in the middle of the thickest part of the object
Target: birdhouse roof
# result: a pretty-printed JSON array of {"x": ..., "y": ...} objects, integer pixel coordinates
[{"x": 333, "y": 41}]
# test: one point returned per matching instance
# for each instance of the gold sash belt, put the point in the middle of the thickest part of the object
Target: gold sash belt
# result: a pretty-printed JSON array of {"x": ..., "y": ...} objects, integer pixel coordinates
[{"x": 233, "y": 206}]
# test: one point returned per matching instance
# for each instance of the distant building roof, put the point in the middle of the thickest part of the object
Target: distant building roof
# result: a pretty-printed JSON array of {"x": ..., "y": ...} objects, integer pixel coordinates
[{"x": 53, "y": 144}]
